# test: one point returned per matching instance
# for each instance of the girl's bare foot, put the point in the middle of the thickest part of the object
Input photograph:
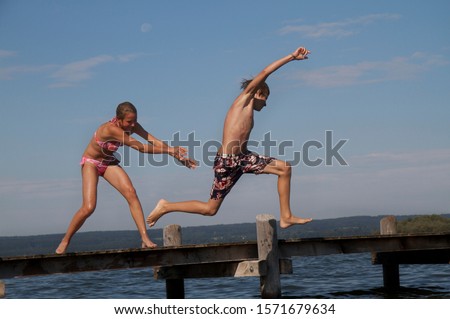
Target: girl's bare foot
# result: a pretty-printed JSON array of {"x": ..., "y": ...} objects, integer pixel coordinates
[
  {"x": 156, "y": 213},
  {"x": 294, "y": 221}
]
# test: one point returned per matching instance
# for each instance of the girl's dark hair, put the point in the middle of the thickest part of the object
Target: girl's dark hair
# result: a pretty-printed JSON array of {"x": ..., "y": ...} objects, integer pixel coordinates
[
  {"x": 263, "y": 87},
  {"x": 124, "y": 108}
]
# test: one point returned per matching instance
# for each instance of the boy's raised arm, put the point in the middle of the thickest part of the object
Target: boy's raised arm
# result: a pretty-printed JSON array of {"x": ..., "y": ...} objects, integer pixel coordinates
[{"x": 299, "y": 54}]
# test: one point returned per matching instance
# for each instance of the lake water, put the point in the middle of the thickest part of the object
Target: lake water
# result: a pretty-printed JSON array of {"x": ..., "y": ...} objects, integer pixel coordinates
[{"x": 350, "y": 276}]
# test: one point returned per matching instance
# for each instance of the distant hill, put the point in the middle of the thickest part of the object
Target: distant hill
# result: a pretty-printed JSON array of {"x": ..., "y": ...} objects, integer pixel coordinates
[{"x": 105, "y": 240}]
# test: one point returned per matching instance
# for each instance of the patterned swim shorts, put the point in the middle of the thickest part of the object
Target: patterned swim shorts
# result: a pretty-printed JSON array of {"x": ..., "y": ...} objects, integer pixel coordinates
[{"x": 229, "y": 168}]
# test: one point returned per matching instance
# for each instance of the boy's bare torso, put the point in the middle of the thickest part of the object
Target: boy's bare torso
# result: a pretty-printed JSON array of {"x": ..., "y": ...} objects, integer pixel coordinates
[{"x": 237, "y": 127}]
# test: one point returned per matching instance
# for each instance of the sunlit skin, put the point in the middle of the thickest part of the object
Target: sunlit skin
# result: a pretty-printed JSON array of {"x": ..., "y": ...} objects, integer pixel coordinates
[
  {"x": 120, "y": 131},
  {"x": 238, "y": 125}
]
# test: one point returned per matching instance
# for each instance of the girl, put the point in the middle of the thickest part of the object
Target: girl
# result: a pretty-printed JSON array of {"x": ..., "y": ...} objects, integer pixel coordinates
[{"x": 98, "y": 160}]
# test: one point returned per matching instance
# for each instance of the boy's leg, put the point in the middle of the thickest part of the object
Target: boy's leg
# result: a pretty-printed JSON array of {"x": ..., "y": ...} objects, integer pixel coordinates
[
  {"x": 283, "y": 171},
  {"x": 224, "y": 179},
  {"x": 163, "y": 207}
]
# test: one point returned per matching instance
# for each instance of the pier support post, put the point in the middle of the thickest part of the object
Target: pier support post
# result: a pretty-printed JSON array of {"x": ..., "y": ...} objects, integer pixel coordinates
[
  {"x": 172, "y": 237},
  {"x": 267, "y": 239},
  {"x": 2, "y": 289},
  {"x": 391, "y": 270}
]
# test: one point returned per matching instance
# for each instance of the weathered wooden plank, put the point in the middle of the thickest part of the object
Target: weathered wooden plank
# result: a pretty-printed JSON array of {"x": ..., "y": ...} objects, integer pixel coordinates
[
  {"x": 246, "y": 268},
  {"x": 362, "y": 244},
  {"x": 250, "y": 268},
  {"x": 119, "y": 259},
  {"x": 203, "y": 270}
]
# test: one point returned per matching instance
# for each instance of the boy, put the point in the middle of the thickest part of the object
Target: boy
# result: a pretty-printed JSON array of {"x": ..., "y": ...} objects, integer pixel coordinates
[{"x": 233, "y": 158}]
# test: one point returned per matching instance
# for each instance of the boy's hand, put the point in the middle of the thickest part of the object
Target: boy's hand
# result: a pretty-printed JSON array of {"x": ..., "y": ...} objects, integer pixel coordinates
[{"x": 301, "y": 54}]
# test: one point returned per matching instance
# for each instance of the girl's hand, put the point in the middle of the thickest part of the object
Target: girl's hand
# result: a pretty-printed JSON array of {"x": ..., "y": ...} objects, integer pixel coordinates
[{"x": 180, "y": 154}]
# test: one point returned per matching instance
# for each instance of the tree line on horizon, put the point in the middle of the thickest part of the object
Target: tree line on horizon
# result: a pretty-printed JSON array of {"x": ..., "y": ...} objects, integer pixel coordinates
[{"x": 424, "y": 224}]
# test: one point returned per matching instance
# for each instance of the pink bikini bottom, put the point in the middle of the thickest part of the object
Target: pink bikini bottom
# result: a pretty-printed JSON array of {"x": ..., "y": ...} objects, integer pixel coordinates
[{"x": 100, "y": 165}]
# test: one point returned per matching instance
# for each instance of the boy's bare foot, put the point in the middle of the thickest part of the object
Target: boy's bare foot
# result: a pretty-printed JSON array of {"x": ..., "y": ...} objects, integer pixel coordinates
[
  {"x": 61, "y": 248},
  {"x": 148, "y": 244},
  {"x": 156, "y": 213},
  {"x": 294, "y": 221}
]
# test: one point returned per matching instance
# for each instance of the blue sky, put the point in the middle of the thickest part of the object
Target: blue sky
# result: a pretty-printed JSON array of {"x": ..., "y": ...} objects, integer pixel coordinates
[{"x": 378, "y": 77}]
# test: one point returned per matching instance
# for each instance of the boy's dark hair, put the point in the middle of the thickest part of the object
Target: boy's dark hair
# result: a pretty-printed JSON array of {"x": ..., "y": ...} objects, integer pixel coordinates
[{"x": 263, "y": 87}]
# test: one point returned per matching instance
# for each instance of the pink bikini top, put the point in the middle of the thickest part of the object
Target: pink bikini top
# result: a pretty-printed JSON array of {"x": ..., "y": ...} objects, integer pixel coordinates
[{"x": 111, "y": 146}]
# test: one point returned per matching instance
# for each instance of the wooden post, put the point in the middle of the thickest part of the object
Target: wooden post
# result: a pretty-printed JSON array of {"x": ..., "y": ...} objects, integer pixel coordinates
[
  {"x": 266, "y": 234},
  {"x": 388, "y": 226},
  {"x": 391, "y": 270},
  {"x": 2, "y": 289},
  {"x": 172, "y": 237}
]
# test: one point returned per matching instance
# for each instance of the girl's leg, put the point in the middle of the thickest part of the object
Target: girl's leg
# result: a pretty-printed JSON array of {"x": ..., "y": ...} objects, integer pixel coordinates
[
  {"x": 283, "y": 171},
  {"x": 89, "y": 183},
  {"x": 119, "y": 179},
  {"x": 163, "y": 207}
]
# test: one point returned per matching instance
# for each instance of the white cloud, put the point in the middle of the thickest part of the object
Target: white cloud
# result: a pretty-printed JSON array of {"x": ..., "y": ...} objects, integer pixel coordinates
[
  {"x": 9, "y": 73},
  {"x": 67, "y": 75},
  {"x": 337, "y": 29},
  {"x": 75, "y": 72},
  {"x": 6, "y": 53},
  {"x": 398, "y": 68},
  {"x": 129, "y": 57}
]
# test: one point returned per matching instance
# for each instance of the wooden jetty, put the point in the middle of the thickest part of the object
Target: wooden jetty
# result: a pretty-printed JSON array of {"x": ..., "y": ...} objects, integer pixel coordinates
[{"x": 267, "y": 257}]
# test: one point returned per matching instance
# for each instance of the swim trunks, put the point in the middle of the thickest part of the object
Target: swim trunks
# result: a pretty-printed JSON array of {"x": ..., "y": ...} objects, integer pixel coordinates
[
  {"x": 100, "y": 165},
  {"x": 228, "y": 168}
]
